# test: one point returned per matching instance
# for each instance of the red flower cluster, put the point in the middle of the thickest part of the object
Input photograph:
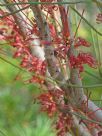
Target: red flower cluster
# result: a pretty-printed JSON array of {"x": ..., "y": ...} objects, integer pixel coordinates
[
  {"x": 48, "y": 104},
  {"x": 99, "y": 18},
  {"x": 32, "y": 64},
  {"x": 57, "y": 93},
  {"x": 63, "y": 124},
  {"x": 81, "y": 42},
  {"x": 28, "y": 61},
  {"x": 82, "y": 58},
  {"x": 6, "y": 23},
  {"x": 36, "y": 66}
]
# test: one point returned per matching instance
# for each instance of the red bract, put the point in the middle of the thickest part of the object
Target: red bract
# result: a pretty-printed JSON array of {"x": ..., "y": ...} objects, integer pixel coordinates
[
  {"x": 47, "y": 103},
  {"x": 81, "y": 42},
  {"x": 82, "y": 58},
  {"x": 99, "y": 18}
]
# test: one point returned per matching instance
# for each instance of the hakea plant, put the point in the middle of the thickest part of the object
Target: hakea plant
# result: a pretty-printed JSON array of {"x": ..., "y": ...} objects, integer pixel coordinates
[{"x": 41, "y": 34}]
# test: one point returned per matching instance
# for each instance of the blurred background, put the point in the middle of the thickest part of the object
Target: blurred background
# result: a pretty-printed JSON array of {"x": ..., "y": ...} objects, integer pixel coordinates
[{"x": 19, "y": 113}]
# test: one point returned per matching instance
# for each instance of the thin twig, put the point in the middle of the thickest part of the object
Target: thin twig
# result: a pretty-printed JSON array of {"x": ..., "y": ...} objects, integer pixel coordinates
[
  {"x": 94, "y": 76},
  {"x": 86, "y": 21},
  {"x": 37, "y": 3},
  {"x": 81, "y": 116},
  {"x": 78, "y": 24},
  {"x": 14, "y": 12},
  {"x": 49, "y": 79}
]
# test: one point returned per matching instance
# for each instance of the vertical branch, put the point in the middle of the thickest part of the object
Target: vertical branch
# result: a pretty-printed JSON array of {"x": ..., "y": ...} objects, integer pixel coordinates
[
  {"x": 49, "y": 49},
  {"x": 18, "y": 19},
  {"x": 75, "y": 79},
  {"x": 78, "y": 93},
  {"x": 82, "y": 129},
  {"x": 74, "y": 73},
  {"x": 65, "y": 25}
]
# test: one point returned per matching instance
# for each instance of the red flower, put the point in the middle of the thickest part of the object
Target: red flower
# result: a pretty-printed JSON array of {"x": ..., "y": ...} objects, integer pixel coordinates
[
  {"x": 81, "y": 42},
  {"x": 88, "y": 59},
  {"x": 47, "y": 103},
  {"x": 36, "y": 79},
  {"x": 28, "y": 61},
  {"x": 63, "y": 124},
  {"x": 82, "y": 58}
]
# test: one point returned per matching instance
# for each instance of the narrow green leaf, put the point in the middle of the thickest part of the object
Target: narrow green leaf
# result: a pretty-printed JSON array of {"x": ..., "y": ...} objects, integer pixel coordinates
[
  {"x": 13, "y": 12},
  {"x": 37, "y": 3},
  {"x": 86, "y": 21}
]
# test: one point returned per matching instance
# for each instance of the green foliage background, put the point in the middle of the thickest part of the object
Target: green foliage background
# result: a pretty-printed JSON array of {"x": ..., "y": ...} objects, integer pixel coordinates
[{"x": 19, "y": 115}]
